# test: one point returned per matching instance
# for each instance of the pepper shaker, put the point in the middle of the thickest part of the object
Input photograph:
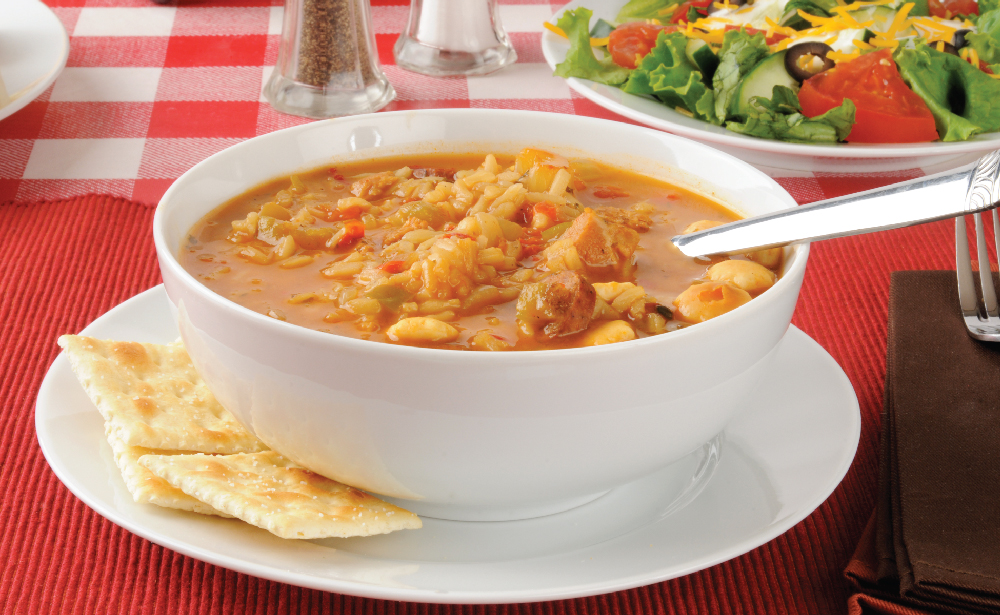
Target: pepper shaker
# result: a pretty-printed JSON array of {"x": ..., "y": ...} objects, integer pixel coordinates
[
  {"x": 454, "y": 37},
  {"x": 327, "y": 62}
]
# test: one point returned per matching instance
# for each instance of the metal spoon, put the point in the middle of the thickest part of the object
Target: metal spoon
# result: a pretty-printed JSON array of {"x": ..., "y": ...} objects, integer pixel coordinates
[{"x": 971, "y": 189}]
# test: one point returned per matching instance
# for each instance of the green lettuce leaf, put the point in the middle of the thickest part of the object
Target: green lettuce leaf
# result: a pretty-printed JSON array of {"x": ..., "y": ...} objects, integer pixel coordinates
[
  {"x": 780, "y": 117},
  {"x": 740, "y": 52},
  {"x": 986, "y": 41},
  {"x": 580, "y": 59},
  {"x": 920, "y": 8},
  {"x": 667, "y": 74},
  {"x": 636, "y": 10},
  {"x": 965, "y": 101},
  {"x": 985, "y": 6}
]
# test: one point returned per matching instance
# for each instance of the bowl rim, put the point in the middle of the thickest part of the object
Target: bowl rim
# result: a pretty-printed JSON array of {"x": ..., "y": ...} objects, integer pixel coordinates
[{"x": 168, "y": 259}]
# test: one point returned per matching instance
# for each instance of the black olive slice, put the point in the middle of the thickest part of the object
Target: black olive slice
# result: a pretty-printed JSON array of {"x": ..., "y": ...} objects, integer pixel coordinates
[
  {"x": 807, "y": 59},
  {"x": 947, "y": 48},
  {"x": 712, "y": 8},
  {"x": 959, "y": 39}
]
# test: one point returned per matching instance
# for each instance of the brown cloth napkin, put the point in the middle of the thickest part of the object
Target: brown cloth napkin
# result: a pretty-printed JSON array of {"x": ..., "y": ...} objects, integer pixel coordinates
[{"x": 933, "y": 544}]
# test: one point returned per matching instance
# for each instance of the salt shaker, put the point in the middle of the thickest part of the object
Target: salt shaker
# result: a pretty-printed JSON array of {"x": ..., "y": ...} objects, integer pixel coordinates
[
  {"x": 454, "y": 37},
  {"x": 327, "y": 62}
]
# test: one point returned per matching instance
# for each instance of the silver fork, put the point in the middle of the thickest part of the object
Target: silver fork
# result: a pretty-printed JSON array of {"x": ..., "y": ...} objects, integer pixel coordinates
[{"x": 982, "y": 318}]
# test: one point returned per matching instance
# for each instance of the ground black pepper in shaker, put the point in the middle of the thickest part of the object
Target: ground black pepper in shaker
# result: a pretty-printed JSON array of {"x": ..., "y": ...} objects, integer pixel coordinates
[{"x": 326, "y": 62}]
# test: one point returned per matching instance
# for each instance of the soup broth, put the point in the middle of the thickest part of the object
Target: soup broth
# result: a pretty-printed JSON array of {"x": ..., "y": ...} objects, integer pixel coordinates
[{"x": 472, "y": 251}]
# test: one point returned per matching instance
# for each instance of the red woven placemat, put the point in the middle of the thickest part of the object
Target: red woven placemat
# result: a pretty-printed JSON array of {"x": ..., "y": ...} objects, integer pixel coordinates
[{"x": 64, "y": 263}]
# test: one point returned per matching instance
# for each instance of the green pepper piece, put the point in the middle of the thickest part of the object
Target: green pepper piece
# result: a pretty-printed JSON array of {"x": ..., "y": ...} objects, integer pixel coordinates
[
  {"x": 429, "y": 213},
  {"x": 389, "y": 295},
  {"x": 555, "y": 231},
  {"x": 312, "y": 238}
]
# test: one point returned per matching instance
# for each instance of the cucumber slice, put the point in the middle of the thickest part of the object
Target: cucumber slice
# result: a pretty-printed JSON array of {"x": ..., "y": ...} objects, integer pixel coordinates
[
  {"x": 701, "y": 55},
  {"x": 882, "y": 16},
  {"x": 760, "y": 81},
  {"x": 602, "y": 29}
]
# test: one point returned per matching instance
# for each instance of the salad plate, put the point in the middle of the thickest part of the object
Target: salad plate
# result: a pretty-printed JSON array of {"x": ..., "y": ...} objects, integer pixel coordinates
[
  {"x": 770, "y": 155},
  {"x": 33, "y": 51},
  {"x": 780, "y": 459}
]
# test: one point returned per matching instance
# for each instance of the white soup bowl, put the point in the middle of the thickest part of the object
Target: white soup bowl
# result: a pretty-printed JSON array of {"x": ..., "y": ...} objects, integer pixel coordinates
[{"x": 469, "y": 435}]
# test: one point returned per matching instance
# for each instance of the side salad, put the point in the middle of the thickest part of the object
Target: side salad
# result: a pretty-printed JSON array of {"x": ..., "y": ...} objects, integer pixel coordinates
[{"x": 812, "y": 71}]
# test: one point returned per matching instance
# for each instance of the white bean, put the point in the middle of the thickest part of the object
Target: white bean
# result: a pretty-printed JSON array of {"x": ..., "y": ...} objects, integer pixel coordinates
[{"x": 419, "y": 329}]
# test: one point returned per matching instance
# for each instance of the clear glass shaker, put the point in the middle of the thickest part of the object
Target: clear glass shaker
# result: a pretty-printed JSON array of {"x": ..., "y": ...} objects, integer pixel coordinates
[
  {"x": 454, "y": 37},
  {"x": 327, "y": 62}
]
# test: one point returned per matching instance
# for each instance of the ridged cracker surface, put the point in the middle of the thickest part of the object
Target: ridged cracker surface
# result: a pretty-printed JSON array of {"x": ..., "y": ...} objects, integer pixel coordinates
[
  {"x": 148, "y": 488},
  {"x": 151, "y": 396},
  {"x": 269, "y": 491}
]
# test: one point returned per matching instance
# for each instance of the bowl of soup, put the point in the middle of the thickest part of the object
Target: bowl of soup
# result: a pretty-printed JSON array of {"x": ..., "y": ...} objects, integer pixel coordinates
[{"x": 478, "y": 313}]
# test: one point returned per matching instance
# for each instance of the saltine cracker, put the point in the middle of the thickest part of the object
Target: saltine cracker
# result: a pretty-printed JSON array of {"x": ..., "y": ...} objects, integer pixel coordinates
[
  {"x": 270, "y": 492},
  {"x": 148, "y": 488},
  {"x": 151, "y": 396}
]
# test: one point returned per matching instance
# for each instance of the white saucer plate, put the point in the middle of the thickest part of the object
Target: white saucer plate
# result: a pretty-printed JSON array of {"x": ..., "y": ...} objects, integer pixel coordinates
[
  {"x": 768, "y": 155},
  {"x": 780, "y": 459},
  {"x": 33, "y": 51}
]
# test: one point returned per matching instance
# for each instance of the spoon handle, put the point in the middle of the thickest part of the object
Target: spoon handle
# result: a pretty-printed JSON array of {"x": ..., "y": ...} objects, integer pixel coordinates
[{"x": 970, "y": 189}]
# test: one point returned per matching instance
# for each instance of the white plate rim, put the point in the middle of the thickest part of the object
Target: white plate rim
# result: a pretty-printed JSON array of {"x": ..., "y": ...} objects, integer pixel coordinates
[
  {"x": 368, "y": 590},
  {"x": 58, "y": 34},
  {"x": 554, "y": 50}
]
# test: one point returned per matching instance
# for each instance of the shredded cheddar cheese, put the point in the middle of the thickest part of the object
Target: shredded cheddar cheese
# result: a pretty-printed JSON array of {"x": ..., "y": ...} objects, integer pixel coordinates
[
  {"x": 879, "y": 41},
  {"x": 594, "y": 42},
  {"x": 838, "y": 57},
  {"x": 899, "y": 21},
  {"x": 969, "y": 55},
  {"x": 841, "y": 29},
  {"x": 773, "y": 26}
]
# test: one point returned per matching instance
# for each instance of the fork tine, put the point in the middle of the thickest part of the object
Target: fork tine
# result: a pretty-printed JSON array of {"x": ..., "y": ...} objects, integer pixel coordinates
[
  {"x": 985, "y": 276},
  {"x": 963, "y": 265}
]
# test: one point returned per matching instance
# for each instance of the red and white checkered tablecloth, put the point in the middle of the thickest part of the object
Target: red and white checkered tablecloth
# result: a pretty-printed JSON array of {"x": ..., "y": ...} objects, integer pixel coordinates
[{"x": 149, "y": 90}]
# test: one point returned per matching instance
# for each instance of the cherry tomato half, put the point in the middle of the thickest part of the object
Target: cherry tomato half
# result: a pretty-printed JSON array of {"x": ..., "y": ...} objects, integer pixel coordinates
[
  {"x": 887, "y": 110},
  {"x": 630, "y": 42}
]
